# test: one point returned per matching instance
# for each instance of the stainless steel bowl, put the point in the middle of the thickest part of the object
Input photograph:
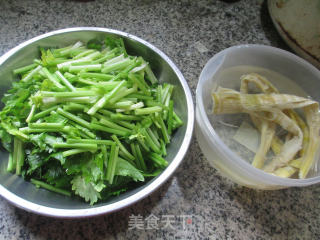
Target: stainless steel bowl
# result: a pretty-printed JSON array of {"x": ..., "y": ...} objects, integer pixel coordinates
[{"x": 24, "y": 194}]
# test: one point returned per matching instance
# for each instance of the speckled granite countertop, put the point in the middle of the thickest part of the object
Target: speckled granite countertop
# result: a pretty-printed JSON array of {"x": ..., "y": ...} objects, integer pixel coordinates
[{"x": 190, "y": 32}]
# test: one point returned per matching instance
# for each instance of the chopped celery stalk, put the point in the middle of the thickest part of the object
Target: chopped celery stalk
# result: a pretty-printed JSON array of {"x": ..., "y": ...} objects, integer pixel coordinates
[
  {"x": 117, "y": 65},
  {"x": 163, "y": 148},
  {"x": 119, "y": 116},
  {"x": 65, "y": 65},
  {"x": 10, "y": 166},
  {"x": 164, "y": 130},
  {"x": 51, "y": 78},
  {"x": 91, "y": 141},
  {"x": 33, "y": 72},
  {"x": 153, "y": 137},
  {"x": 68, "y": 94},
  {"x": 142, "y": 85},
  {"x": 88, "y": 146},
  {"x": 140, "y": 157},
  {"x": 88, "y": 68},
  {"x": 84, "y": 53},
  {"x": 24, "y": 69},
  {"x": 122, "y": 148},
  {"x": 19, "y": 156},
  {"x": 46, "y": 125},
  {"x": 74, "y": 107},
  {"x": 126, "y": 124},
  {"x": 148, "y": 110},
  {"x": 112, "y": 163},
  {"x": 104, "y": 58},
  {"x": 110, "y": 124},
  {"x": 99, "y": 76},
  {"x": 134, "y": 152},
  {"x": 122, "y": 94},
  {"x": 150, "y": 142},
  {"x": 13, "y": 165},
  {"x": 102, "y": 101},
  {"x": 109, "y": 130},
  {"x": 170, "y": 117},
  {"x": 50, "y": 187},
  {"x": 30, "y": 116},
  {"x": 84, "y": 130},
  {"x": 54, "y": 100},
  {"x": 44, "y": 112},
  {"x": 114, "y": 60},
  {"x": 158, "y": 160},
  {"x": 74, "y": 118},
  {"x": 140, "y": 96},
  {"x": 43, "y": 129},
  {"x": 65, "y": 81},
  {"x": 152, "y": 78},
  {"x": 73, "y": 152}
]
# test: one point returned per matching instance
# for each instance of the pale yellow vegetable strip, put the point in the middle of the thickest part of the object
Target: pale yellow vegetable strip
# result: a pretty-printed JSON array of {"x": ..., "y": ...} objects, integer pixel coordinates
[
  {"x": 269, "y": 106},
  {"x": 266, "y": 128},
  {"x": 266, "y": 87},
  {"x": 296, "y": 163},
  {"x": 288, "y": 137},
  {"x": 276, "y": 145},
  {"x": 232, "y": 102},
  {"x": 226, "y": 101},
  {"x": 265, "y": 106},
  {"x": 288, "y": 171},
  {"x": 312, "y": 152},
  {"x": 305, "y": 130},
  {"x": 291, "y": 146},
  {"x": 285, "y": 172},
  {"x": 261, "y": 82}
]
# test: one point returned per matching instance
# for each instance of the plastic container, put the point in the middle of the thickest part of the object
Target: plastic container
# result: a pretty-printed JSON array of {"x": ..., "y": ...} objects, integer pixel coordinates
[{"x": 289, "y": 73}]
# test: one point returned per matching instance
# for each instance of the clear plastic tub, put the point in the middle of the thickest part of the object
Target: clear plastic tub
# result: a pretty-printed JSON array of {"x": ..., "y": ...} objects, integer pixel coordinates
[{"x": 289, "y": 73}]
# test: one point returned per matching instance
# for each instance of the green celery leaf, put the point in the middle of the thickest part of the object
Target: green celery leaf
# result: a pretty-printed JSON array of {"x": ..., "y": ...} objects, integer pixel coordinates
[
  {"x": 124, "y": 168},
  {"x": 55, "y": 118},
  {"x": 56, "y": 175},
  {"x": 59, "y": 156},
  {"x": 38, "y": 140},
  {"x": 94, "y": 44},
  {"x": 85, "y": 189},
  {"x": 84, "y": 165},
  {"x": 154, "y": 173},
  {"x": 115, "y": 42},
  {"x": 99, "y": 159},
  {"x": 91, "y": 171},
  {"x": 99, "y": 186},
  {"x": 45, "y": 141},
  {"x": 34, "y": 159},
  {"x": 6, "y": 139}
]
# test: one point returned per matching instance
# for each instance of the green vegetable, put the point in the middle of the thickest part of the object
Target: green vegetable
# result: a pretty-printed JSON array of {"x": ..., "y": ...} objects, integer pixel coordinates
[{"x": 87, "y": 120}]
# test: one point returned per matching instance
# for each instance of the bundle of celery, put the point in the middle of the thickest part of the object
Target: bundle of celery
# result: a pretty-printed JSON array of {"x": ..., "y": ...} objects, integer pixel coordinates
[
  {"x": 298, "y": 151},
  {"x": 91, "y": 119}
]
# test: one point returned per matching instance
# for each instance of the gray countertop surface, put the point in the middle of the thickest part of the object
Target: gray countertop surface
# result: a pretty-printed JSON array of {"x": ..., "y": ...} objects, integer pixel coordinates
[{"x": 190, "y": 33}]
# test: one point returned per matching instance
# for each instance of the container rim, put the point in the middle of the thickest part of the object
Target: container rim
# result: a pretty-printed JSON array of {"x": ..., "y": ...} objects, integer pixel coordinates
[
  {"x": 220, "y": 146},
  {"x": 147, "y": 190}
]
